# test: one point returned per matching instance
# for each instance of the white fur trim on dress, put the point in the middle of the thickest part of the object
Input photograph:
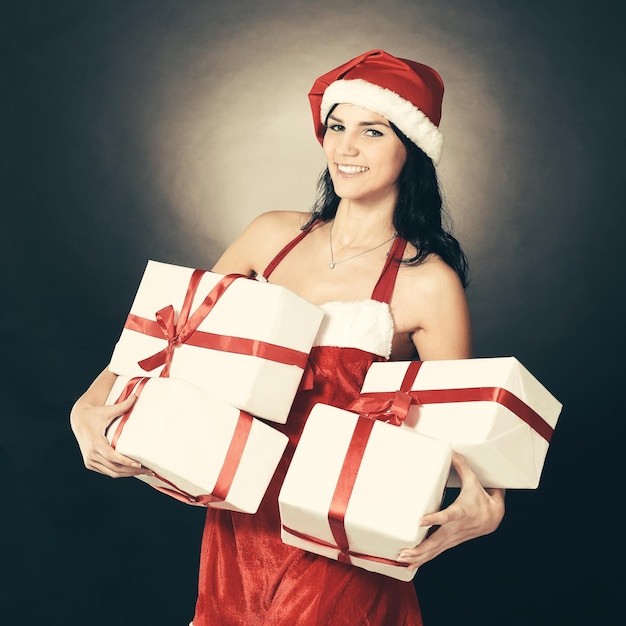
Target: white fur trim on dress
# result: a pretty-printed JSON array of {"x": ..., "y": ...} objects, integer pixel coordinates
[
  {"x": 363, "y": 324},
  {"x": 404, "y": 114}
]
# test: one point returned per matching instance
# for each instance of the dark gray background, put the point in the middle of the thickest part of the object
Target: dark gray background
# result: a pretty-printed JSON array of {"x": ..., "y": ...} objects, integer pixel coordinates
[{"x": 157, "y": 129}]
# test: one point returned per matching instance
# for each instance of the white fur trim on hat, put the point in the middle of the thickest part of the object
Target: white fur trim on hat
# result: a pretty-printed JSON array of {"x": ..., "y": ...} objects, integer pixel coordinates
[{"x": 404, "y": 114}]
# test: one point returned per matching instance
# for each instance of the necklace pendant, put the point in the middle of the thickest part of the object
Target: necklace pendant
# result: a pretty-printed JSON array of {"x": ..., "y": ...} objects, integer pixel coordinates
[{"x": 331, "y": 265}]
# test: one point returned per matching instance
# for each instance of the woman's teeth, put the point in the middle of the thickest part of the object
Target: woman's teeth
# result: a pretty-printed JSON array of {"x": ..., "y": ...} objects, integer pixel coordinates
[{"x": 351, "y": 169}]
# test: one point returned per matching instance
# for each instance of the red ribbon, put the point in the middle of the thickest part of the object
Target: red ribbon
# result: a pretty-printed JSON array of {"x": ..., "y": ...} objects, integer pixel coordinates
[
  {"x": 312, "y": 372},
  {"x": 185, "y": 330},
  {"x": 134, "y": 384},
  {"x": 379, "y": 405},
  {"x": 358, "y": 555},
  {"x": 229, "y": 467},
  {"x": 345, "y": 485},
  {"x": 391, "y": 409}
]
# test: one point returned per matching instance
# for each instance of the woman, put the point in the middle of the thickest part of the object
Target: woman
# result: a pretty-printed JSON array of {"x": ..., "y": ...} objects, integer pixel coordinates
[{"x": 390, "y": 279}]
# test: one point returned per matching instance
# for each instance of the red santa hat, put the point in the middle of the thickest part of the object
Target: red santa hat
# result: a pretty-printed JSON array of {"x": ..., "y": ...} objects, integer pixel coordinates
[{"x": 407, "y": 93}]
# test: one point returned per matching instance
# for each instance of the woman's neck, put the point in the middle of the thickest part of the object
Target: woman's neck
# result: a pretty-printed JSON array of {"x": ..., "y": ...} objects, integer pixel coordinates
[{"x": 356, "y": 224}]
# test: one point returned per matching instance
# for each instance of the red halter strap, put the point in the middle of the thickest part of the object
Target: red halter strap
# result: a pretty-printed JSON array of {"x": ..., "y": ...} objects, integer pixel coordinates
[
  {"x": 287, "y": 249},
  {"x": 387, "y": 280}
]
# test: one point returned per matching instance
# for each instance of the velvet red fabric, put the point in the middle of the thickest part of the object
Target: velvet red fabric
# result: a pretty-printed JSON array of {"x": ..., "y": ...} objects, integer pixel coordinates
[{"x": 248, "y": 577}]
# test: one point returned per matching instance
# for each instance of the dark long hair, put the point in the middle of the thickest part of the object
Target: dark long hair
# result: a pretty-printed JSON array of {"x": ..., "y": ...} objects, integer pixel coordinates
[{"x": 419, "y": 215}]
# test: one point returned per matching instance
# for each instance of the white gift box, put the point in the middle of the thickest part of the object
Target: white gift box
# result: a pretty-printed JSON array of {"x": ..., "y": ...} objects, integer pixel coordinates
[
  {"x": 401, "y": 477},
  {"x": 491, "y": 410},
  {"x": 250, "y": 350},
  {"x": 202, "y": 450}
]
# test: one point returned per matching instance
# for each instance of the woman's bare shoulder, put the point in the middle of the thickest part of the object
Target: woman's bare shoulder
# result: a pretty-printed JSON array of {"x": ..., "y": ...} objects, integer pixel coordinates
[
  {"x": 430, "y": 311},
  {"x": 431, "y": 277},
  {"x": 255, "y": 247},
  {"x": 424, "y": 291},
  {"x": 277, "y": 224}
]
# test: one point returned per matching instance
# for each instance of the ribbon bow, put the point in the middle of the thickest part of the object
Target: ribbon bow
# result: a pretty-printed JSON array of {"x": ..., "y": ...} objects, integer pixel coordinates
[
  {"x": 390, "y": 407},
  {"x": 391, "y": 410},
  {"x": 165, "y": 319},
  {"x": 177, "y": 332}
]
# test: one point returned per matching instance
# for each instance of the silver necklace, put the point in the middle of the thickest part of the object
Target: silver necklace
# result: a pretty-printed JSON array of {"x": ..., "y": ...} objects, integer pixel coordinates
[{"x": 331, "y": 265}]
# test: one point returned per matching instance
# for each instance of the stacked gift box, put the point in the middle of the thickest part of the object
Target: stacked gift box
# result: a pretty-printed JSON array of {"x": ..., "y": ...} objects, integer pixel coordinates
[
  {"x": 491, "y": 410},
  {"x": 232, "y": 336},
  {"x": 206, "y": 355},
  {"x": 202, "y": 451}
]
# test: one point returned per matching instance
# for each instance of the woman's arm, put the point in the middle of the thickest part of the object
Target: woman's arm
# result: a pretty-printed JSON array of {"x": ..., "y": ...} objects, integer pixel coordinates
[{"x": 443, "y": 332}]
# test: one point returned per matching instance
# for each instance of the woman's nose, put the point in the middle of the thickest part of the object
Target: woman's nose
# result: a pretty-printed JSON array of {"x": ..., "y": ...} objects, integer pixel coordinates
[{"x": 347, "y": 144}]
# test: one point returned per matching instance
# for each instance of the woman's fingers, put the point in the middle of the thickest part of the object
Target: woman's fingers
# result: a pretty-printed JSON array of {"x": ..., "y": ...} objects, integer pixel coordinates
[
  {"x": 90, "y": 423},
  {"x": 110, "y": 412},
  {"x": 104, "y": 459},
  {"x": 475, "y": 512},
  {"x": 446, "y": 536},
  {"x": 462, "y": 468}
]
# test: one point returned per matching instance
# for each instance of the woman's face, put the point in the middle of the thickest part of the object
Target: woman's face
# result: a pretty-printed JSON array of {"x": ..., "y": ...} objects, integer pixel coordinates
[{"x": 365, "y": 156}]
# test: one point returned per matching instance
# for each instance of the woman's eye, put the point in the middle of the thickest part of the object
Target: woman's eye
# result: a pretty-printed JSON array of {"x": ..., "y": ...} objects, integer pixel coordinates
[
  {"x": 372, "y": 132},
  {"x": 336, "y": 128}
]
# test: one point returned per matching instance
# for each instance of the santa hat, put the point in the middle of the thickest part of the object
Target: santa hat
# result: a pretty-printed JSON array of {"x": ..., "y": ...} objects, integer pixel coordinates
[{"x": 407, "y": 93}]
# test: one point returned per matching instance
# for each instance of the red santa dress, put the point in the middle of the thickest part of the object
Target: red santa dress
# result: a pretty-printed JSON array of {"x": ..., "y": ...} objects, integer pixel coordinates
[{"x": 248, "y": 577}]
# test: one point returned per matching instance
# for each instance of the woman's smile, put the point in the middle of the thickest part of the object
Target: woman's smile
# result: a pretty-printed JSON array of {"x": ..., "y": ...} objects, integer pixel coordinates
[{"x": 351, "y": 170}]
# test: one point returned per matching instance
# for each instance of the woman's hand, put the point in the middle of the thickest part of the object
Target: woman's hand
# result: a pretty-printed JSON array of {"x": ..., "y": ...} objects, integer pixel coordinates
[
  {"x": 89, "y": 421},
  {"x": 474, "y": 513}
]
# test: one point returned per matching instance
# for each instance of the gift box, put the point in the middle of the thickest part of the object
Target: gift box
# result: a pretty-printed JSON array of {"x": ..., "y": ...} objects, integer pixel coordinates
[
  {"x": 244, "y": 341},
  {"x": 202, "y": 451},
  {"x": 356, "y": 489},
  {"x": 491, "y": 410}
]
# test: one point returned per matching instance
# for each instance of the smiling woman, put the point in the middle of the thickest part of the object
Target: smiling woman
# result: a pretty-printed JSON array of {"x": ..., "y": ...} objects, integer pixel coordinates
[{"x": 396, "y": 291}]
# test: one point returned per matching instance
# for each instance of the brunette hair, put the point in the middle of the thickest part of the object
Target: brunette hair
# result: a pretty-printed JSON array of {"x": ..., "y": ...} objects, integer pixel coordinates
[{"x": 419, "y": 215}]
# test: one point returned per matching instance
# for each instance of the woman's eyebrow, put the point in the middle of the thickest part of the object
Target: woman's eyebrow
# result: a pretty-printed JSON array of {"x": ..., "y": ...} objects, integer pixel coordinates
[{"x": 365, "y": 123}]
